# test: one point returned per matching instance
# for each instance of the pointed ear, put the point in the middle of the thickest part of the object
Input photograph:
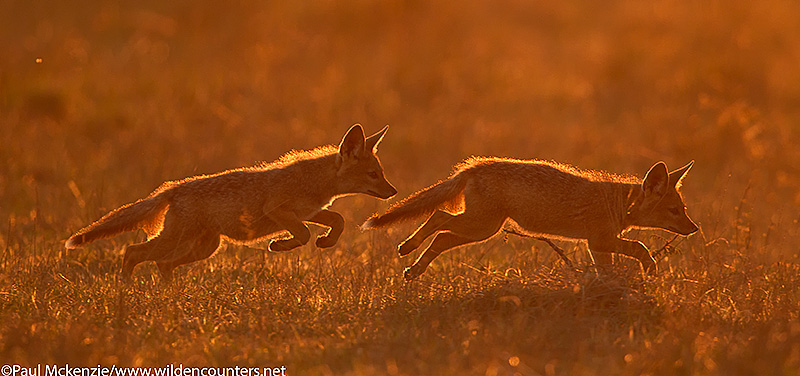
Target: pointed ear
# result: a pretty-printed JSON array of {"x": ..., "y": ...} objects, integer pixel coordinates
[
  {"x": 656, "y": 181},
  {"x": 676, "y": 176},
  {"x": 352, "y": 145},
  {"x": 373, "y": 141}
]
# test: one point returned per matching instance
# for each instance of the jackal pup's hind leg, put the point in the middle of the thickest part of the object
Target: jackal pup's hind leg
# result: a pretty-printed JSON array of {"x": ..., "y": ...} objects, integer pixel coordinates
[
  {"x": 473, "y": 225},
  {"x": 202, "y": 248},
  {"x": 179, "y": 237},
  {"x": 430, "y": 227},
  {"x": 136, "y": 254}
]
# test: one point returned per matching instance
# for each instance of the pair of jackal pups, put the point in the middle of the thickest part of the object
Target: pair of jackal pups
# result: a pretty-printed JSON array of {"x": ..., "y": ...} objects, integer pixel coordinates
[{"x": 185, "y": 220}]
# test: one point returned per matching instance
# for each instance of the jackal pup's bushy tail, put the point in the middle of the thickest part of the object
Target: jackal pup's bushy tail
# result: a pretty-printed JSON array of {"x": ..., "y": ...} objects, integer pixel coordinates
[
  {"x": 126, "y": 218},
  {"x": 447, "y": 194}
]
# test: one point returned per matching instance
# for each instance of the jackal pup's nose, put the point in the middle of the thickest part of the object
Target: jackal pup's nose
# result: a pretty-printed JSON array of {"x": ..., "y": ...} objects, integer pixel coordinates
[{"x": 688, "y": 230}]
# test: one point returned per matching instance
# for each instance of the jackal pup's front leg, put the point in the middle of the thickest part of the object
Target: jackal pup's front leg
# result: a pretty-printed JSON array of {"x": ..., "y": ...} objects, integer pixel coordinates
[
  {"x": 300, "y": 232},
  {"x": 334, "y": 221},
  {"x": 289, "y": 221},
  {"x": 632, "y": 248}
]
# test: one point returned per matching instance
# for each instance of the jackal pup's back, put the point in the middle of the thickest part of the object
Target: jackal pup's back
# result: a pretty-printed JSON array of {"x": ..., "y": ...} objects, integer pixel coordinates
[
  {"x": 543, "y": 198},
  {"x": 184, "y": 220}
]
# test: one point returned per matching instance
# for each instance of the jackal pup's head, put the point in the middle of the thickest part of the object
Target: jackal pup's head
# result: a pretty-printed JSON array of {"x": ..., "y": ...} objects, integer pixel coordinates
[
  {"x": 660, "y": 204},
  {"x": 359, "y": 170}
]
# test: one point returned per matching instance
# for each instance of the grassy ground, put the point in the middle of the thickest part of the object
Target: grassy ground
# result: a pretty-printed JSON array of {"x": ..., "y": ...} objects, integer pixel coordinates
[{"x": 125, "y": 95}]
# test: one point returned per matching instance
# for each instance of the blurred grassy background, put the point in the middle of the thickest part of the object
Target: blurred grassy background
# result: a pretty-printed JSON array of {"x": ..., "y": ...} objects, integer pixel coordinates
[{"x": 129, "y": 94}]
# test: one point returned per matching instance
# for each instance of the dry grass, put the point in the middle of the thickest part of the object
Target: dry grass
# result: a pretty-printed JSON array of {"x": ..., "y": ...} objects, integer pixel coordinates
[{"x": 130, "y": 94}]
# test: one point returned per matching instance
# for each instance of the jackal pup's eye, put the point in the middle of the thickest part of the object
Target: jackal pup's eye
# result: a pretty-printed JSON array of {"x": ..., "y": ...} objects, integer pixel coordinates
[{"x": 373, "y": 174}]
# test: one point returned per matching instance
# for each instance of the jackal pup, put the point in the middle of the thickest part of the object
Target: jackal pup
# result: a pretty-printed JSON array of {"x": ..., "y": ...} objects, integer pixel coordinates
[
  {"x": 184, "y": 220},
  {"x": 543, "y": 198}
]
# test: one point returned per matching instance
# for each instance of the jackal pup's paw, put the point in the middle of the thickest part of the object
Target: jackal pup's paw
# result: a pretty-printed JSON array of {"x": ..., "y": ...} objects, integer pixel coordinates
[
  {"x": 326, "y": 241},
  {"x": 411, "y": 273}
]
